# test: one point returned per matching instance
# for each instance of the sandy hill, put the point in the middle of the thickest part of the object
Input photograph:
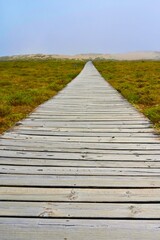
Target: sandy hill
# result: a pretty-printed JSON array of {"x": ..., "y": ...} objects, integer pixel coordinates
[{"x": 125, "y": 56}]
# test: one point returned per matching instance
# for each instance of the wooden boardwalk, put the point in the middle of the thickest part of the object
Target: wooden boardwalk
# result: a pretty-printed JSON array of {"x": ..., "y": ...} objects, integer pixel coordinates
[{"x": 84, "y": 166}]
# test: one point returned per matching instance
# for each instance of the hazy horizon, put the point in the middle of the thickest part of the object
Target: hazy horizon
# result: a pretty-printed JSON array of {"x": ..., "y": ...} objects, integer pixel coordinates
[
  {"x": 123, "y": 53},
  {"x": 70, "y": 27}
]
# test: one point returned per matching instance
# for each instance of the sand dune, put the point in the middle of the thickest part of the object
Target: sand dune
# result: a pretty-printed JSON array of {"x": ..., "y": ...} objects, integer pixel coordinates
[{"x": 125, "y": 56}]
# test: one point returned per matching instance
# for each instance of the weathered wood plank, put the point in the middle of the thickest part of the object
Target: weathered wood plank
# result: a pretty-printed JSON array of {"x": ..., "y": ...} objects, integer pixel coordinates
[
  {"x": 79, "y": 210},
  {"x": 108, "y": 120},
  {"x": 85, "y": 124},
  {"x": 80, "y": 194},
  {"x": 42, "y": 153},
  {"x": 76, "y": 129},
  {"x": 79, "y": 163},
  {"x": 87, "y": 139},
  {"x": 60, "y": 229},
  {"x": 82, "y": 171},
  {"x": 79, "y": 181},
  {"x": 92, "y": 155},
  {"x": 58, "y": 133},
  {"x": 20, "y": 144}
]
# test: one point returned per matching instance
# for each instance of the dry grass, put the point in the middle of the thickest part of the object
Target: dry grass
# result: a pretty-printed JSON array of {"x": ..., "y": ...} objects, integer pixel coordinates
[
  {"x": 26, "y": 84},
  {"x": 137, "y": 81}
]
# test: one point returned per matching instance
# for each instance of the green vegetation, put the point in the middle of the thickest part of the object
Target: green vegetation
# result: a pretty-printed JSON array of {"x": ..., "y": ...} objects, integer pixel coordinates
[
  {"x": 137, "y": 81},
  {"x": 26, "y": 84}
]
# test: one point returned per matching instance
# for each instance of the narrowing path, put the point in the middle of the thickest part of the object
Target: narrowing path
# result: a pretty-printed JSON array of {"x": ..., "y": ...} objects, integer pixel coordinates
[{"x": 84, "y": 166}]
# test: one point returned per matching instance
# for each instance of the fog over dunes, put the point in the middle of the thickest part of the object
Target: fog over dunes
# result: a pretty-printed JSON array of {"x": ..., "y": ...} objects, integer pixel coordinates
[{"x": 150, "y": 55}]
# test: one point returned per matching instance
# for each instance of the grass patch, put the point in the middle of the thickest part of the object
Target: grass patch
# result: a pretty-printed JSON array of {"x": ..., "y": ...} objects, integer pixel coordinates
[
  {"x": 4, "y": 110},
  {"x": 26, "y": 84},
  {"x": 138, "y": 82}
]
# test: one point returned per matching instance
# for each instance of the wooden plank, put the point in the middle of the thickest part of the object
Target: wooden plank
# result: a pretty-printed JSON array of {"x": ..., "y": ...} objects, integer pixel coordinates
[
  {"x": 28, "y": 228},
  {"x": 89, "y": 139},
  {"x": 80, "y": 195},
  {"x": 19, "y": 144},
  {"x": 66, "y": 133},
  {"x": 51, "y": 153},
  {"x": 89, "y": 129},
  {"x": 101, "y": 113},
  {"x": 79, "y": 210},
  {"x": 79, "y": 163},
  {"x": 85, "y": 124},
  {"x": 52, "y": 150},
  {"x": 80, "y": 118},
  {"x": 92, "y": 155},
  {"x": 82, "y": 171},
  {"x": 79, "y": 181}
]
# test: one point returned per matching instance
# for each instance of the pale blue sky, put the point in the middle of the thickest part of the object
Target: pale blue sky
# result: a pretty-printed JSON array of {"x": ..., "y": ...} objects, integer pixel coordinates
[{"x": 79, "y": 26}]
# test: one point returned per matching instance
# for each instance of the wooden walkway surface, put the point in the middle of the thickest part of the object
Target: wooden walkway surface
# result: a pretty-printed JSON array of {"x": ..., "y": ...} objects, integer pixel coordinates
[{"x": 84, "y": 166}]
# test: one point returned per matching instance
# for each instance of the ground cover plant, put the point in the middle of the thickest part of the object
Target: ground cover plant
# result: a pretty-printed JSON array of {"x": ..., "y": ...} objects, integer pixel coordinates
[
  {"x": 26, "y": 84},
  {"x": 138, "y": 82}
]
